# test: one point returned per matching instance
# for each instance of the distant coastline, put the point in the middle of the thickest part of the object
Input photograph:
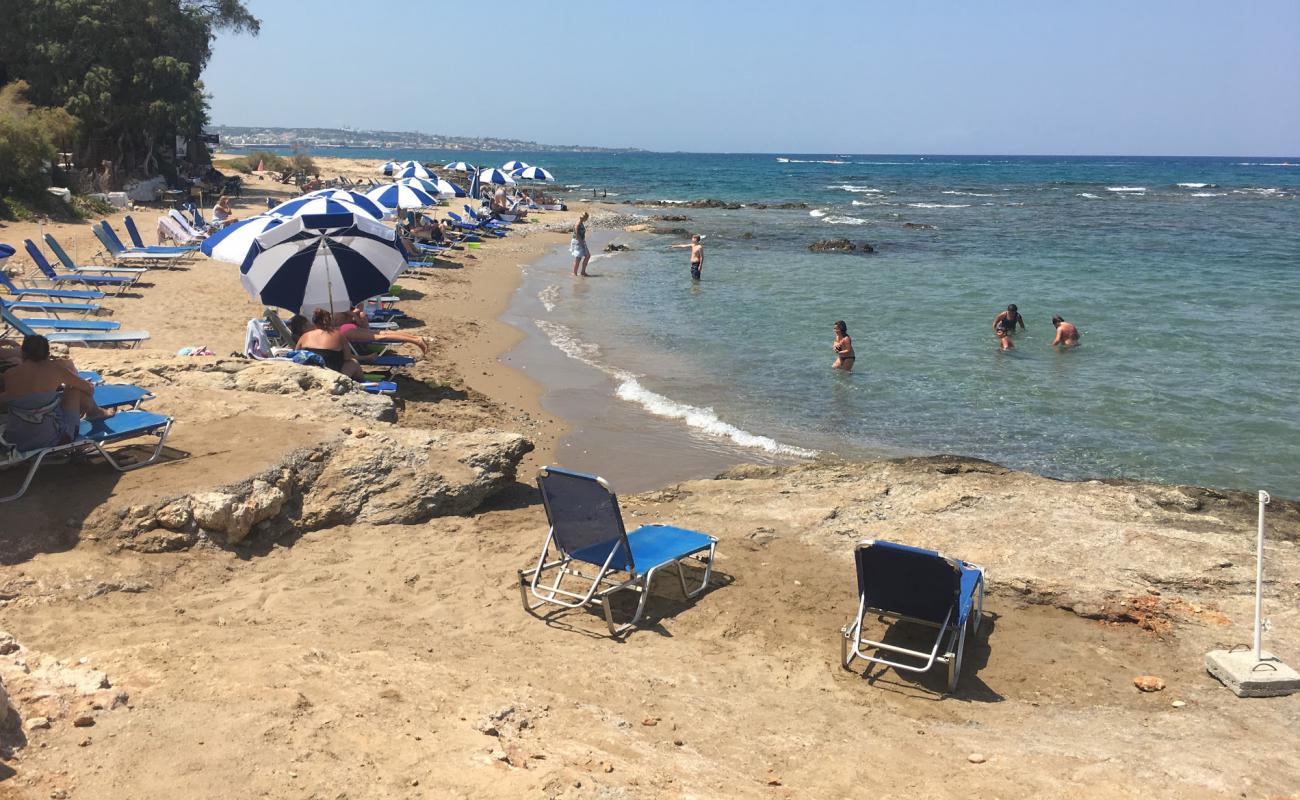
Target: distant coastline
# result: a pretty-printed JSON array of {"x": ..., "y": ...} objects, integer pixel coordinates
[{"x": 240, "y": 136}]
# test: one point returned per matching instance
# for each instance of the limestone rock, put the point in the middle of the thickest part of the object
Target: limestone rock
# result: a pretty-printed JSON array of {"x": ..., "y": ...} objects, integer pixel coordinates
[
  {"x": 408, "y": 475},
  {"x": 833, "y": 246},
  {"x": 233, "y": 515}
]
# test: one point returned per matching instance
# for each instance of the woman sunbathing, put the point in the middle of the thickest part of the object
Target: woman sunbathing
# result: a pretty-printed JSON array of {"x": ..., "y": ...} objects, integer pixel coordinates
[
  {"x": 46, "y": 398},
  {"x": 320, "y": 336},
  {"x": 355, "y": 325}
]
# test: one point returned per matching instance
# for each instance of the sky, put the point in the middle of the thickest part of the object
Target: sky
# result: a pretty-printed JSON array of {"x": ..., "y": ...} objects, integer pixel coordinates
[{"x": 1111, "y": 77}]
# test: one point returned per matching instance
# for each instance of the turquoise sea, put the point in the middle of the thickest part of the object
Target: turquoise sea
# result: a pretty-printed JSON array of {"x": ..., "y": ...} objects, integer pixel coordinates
[{"x": 1183, "y": 275}]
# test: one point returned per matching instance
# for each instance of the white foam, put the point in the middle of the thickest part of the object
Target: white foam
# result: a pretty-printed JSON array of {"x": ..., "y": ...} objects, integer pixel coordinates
[
  {"x": 967, "y": 194},
  {"x": 816, "y": 212},
  {"x": 872, "y": 203},
  {"x": 838, "y": 220},
  {"x": 938, "y": 205},
  {"x": 549, "y": 296},
  {"x": 1126, "y": 188},
  {"x": 1194, "y": 185},
  {"x": 1207, "y": 194},
  {"x": 1260, "y": 190},
  {"x": 631, "y": 390},
  {"x": 1090, "y": 195},
  {"x": 849, "y": 187}
]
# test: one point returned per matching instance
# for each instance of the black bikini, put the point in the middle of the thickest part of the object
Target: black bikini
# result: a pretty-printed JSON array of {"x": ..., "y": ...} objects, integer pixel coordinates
[{"x": 333, "y": 358}]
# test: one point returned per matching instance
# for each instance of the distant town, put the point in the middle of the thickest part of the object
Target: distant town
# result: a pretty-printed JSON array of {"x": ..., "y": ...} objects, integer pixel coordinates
[{"x": 237, "y": 136}]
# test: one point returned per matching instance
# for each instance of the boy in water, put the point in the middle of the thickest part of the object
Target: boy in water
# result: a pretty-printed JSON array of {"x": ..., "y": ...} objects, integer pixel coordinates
[
  {"x": 1066, "y": 334},
  {"x": 697, "y": 256}
]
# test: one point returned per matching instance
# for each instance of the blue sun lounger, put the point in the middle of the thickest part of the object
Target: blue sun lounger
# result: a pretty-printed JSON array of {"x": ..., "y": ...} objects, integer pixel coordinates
[
  {"x": 586, "y": 530},
  {"x": 909, "y": 584},
  {"x": 114, "y": 249},
  {"x": 139, "y": 244},
  {"x": 91, "y": 437},
  {"x": 84, "y": 337},
  {"x": 23, "y": 292},
  {"x": 55, "y": 307},
  {"x": 58, "y": 279},
  {"x": 68, "y": 263},
  {"x": 55, "y": 324}
]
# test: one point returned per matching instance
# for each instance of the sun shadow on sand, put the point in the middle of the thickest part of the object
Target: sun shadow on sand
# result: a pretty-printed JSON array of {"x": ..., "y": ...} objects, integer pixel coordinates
[
  {"x": 933, "y": 684},
  {"x": 62, "y": 496},
  {"x": 665, "y": 602}
]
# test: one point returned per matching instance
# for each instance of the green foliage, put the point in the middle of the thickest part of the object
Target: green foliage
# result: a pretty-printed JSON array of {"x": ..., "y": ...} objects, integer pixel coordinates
[
  {"x": 127, "y": 69},
  {"x": 27, "y": 137},
  {"x": 303, "y": 163},
  {"x": 247, "y": 164}
]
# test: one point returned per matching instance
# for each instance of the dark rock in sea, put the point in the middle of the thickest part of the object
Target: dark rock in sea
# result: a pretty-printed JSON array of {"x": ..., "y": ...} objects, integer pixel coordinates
[
  {"x": 669, "y": 231},
  {"x": 615, "y": 247},
  {"x": 833, "y": 246},
  {"x": 917, "y": 226},
  {"x": 747, "y": 235},
  {"x": 790, "y": 205},
  {"x": 671, "y": 217}
]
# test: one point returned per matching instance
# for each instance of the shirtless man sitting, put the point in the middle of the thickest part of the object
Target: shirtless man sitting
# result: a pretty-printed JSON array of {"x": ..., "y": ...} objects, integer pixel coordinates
[{"x": 1066, "y": 334}]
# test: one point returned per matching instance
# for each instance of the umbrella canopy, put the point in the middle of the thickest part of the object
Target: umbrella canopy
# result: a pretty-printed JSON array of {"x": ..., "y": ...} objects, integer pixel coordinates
[
  {"x": 532, "y": 174},
  {"x": 494, "y": 176},
  {"x": 401, "y": 195},
  {"x": 330, "y": 261},
  {"x": 389, "y": 167},
  {"x": 356, "y": 198},
  {"x": 323, "y": 205},
  {"x": 459, "y": 166},
  {"x": 451, "y": 189},
  {"x": 412, "y": 169},
  {"x": 236, "y": 241},
  {"x": 429, "y": 185},
  {"x": 511, "y": 166}
]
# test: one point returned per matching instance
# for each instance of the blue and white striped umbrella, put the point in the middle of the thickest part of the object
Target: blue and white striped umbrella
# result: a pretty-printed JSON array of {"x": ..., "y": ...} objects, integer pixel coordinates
[
  {"x": 234, "y": 242},
  {"x": 511, "y": 166},
  {"x": 356, "y": 198},
  {"x": 429, "y": 185},
  {"x": 413, "y": 169},
  {"x": 494, "y": 176},
  {"x": 323, "y": 205},
  {"x": 401, "y": 195},
  {"x": 451, "y": 189},
  {"x": 532, "y": 174},
  {"x": 389, "y": 167},
  {"x": 459, "y": 166},
  {"x": 330, "y": 261}
]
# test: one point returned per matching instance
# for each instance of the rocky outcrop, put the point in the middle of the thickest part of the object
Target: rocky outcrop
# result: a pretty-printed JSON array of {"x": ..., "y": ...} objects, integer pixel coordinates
[
  {"x": 917, "y": 226},
  {"x": 710, "y": 202},
  {"x": 671, "y": 217},
  {"x": 669, "y": 231},
  {"x": 615, "y": 247},
  {"x": 840, "y": 246}
]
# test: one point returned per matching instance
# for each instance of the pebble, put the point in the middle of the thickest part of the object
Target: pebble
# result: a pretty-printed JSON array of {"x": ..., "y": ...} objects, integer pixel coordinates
[
  {"x": 678, "y": 742},
  {"x": 36, "y": 722},
  {"x": 1178, "y": 703},
  {"x": 83, "y": 721},
  {"x": 976, "y": 758},
  {"x": 84, "y": 742},
  {"x": 1148, "y": 683},
  {"x": 650, "y": 722}
]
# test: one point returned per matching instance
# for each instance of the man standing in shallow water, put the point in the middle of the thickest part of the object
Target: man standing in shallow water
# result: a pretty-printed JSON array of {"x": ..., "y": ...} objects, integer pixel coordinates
[{"x": 1066, "y": 334}]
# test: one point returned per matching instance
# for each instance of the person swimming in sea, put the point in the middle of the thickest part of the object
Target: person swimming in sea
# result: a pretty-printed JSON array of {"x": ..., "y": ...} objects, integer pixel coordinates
[
  {"x": 844, "y": 355},
  {"x": 697, "y": 256},
  {"x": 1067, "y": 335},
  {"x": 1004, "y": 325}
]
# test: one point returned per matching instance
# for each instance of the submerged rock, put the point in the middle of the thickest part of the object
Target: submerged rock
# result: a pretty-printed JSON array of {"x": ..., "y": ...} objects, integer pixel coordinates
[
  {"x": 917, "y": 226},
  {"x": 615, "y": 247},
  {"x": 840, "y": 246},
  {"x": 671, "y": 217}
]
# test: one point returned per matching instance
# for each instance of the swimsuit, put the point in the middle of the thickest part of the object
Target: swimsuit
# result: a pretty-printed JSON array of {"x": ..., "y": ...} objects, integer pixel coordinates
[
  {"x": 578, "y": 244},
  {"x": 333, "y": 358}
]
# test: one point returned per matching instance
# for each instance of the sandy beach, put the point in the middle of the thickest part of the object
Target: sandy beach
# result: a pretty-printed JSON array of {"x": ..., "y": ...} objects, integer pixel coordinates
[{"x": 314, "y": 595}]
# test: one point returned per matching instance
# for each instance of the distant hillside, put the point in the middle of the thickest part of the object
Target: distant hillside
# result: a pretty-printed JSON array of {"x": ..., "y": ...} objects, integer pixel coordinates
[{"x": 314, "y": 138}]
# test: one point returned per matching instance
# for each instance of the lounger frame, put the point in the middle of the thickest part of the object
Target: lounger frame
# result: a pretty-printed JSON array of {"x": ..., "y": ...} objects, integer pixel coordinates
[
  {"x": 951, "y": 638},
  {"x": 37, "y": 457},
  {"x": 544, "y": 582}
]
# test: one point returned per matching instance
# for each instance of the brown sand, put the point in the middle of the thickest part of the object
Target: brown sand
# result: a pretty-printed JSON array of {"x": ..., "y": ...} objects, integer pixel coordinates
[{"x": 363, "y": 662}]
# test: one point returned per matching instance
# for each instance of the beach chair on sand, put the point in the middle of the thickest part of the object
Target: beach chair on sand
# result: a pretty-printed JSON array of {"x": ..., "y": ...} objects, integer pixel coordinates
[
  {"x": 586, "y": 530},
  {"x": 71, "y": 337},
  {"x": 909, "y": 584},
  {"x": 138, "y": 242},
  {"x": 258, "y": 345},
  {"x": 92, "y": 437},
  {"x": 69, "y": 295},
  {"x": 118, "y": 254},
  {"x": 88, "y": 269},
  {"x": 122, "y": 282}
]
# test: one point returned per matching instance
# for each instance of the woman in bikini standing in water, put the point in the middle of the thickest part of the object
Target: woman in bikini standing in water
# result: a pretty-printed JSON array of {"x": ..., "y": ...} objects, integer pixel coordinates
[
  {"x": 578, "y": 246},
  {"x": 844, "y": 355}
]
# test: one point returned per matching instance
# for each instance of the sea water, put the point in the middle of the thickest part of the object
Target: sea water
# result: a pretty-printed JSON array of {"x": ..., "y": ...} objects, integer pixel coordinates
[{"x": 1183, "y": 275}]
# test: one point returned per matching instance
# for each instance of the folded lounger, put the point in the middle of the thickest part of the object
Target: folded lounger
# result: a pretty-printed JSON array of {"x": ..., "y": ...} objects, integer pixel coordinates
[
  {"x": 101, "y": 281},
  {"x": 586, "y": 530},
  {"x": 88, "y": 338},
  {"x": 24, "y": 293},
  {"x": 139, "y": 244},
  {"x": 905, "y": 583},
  {"x": 120, "y": 255},
  {"x": 91, "y": 437},
  {"x": 81, "y": 269}
]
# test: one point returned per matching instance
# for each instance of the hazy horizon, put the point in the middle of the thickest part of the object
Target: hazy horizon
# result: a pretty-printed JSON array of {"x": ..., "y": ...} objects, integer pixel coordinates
[{"x": 1009, "y": 77}]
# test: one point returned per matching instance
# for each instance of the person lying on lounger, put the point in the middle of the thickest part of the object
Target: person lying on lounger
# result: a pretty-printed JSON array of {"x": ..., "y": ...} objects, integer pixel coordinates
[
  {"x": 355, "y": 325},
  {"x": 37, "y": 416},
  {"x": 320, "y": 336}
]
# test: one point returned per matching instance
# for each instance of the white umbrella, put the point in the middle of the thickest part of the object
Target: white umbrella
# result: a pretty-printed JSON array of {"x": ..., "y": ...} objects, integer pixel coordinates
[
  {"x": 356, "y": 198},
  {"x": 511, "y": 166},
  {"x": 412, "y": 169},
  {"x": 234, "y": 242},
  {"x": 459, "y": 166},
  {"x": 330, "y": 261},
  {"x": 324, "y": 205},
  {"x": 429, "y": 185},
  {"x": 532, "y": 174},
  {"x": 401, "y": 195},
  {"x": 494, "y": 176}
]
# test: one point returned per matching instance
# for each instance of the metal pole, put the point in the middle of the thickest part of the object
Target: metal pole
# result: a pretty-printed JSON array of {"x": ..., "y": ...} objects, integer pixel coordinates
[{"x": 1259, "y": 580}]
